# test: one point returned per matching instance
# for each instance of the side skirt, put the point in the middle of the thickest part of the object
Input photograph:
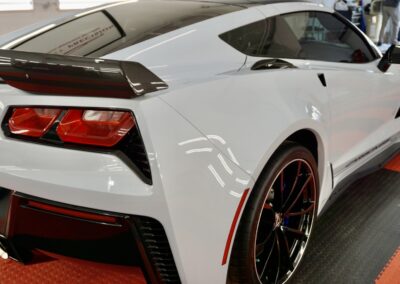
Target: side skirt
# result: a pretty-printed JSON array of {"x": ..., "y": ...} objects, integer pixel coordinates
[{"x": 372, "y": 166}]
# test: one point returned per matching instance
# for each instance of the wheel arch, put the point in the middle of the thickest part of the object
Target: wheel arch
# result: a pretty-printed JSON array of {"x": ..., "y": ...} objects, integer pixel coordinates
[
  {"x": 313, "y": 137},
  {"x": 310, "y": 138}
]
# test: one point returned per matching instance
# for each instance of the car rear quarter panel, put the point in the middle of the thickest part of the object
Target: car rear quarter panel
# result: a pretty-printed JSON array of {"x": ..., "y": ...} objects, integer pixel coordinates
[{"x": 249, "y": 114}]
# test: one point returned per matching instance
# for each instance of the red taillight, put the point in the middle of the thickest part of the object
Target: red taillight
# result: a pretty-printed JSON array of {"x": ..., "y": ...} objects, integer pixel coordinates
[
  {"x": 32, "y": 122},
  {"x": 95, "y": 127}
]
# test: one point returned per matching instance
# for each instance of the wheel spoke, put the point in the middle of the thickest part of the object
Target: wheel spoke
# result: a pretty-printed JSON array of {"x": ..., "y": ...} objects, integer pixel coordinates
[
  {"x": 261, "y": 246},
  {"x": 285, "y": 249},
  {"x": 278, "y": 247},
  {"x": 263, "y": 271},
  {"x": 304, "y": 187},
  {"x": 297, "y": 234},
  {"x": 299, "y": 164},
  {"x": 278, "y": 194},
  {"x": 303, "y": 211}
]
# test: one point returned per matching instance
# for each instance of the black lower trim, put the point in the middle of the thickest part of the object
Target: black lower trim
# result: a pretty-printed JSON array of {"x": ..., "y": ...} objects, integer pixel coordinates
[
  {"x": 372, "y": 166},
  {"x": 156, "y": 245},
  {"x": 130, "y": 240}
]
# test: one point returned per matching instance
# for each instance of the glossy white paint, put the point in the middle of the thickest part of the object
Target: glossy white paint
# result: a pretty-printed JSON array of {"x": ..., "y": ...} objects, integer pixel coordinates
[{"x": 209, "y": 136}]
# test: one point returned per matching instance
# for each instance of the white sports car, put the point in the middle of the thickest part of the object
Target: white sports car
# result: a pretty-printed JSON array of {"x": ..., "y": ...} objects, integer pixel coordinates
[{"x": 197, "y": 140}]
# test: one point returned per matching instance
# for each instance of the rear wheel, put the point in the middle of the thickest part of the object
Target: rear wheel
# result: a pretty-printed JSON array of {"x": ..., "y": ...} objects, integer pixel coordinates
[{"x": 278, "y": 219}]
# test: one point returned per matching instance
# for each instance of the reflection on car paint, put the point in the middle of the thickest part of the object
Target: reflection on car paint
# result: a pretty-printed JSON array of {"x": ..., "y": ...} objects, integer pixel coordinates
[{"x": 218, "y": 176}]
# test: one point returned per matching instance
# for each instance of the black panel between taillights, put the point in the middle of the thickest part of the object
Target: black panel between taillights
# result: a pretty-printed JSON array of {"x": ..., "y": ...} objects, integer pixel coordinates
[{"x": 131, "y": 149}]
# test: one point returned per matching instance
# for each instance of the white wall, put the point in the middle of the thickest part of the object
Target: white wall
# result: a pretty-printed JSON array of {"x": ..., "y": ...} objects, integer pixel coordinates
[
  {"x": 43, "y": 9},
  {"x": 327, "y": 3}
]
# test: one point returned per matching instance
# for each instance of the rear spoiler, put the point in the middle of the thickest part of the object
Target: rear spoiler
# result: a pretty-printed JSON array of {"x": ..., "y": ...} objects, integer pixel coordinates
[{"x": 76, "y": 76}]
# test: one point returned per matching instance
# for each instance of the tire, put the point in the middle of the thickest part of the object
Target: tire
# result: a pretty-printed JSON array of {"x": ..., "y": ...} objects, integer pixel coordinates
[{"x": 277, "y": 221}]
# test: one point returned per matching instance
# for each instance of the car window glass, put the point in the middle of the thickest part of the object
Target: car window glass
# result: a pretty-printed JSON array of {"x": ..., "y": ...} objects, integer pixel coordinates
[
  {"x": 315, "y": 36},
  {"x": 79, "y": 37},
  {"x": 246, "y": 39}
]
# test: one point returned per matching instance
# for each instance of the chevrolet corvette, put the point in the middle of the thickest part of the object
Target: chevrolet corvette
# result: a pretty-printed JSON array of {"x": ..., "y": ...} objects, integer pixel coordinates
[{"x": 196, "y": 140}]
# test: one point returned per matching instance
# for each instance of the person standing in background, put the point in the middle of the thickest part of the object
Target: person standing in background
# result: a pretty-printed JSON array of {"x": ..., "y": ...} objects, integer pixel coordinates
[{"x": 390, "y": 11}]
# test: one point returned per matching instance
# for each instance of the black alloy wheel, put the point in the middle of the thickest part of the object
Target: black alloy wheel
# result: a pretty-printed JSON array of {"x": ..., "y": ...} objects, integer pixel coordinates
[{"x": 278, "y": 219}]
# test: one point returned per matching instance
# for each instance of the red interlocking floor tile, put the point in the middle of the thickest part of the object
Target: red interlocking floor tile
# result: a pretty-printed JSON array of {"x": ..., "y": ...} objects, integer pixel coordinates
[
  {"x": 394, "y": 165},
  {"x": 391, "y": 272},
  {"x": 51, "y": 269}
]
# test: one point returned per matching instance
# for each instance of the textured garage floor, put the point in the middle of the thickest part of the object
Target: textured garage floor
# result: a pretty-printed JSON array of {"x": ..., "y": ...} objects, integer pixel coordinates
[
  {"x": 53, "y": 269},
  {"x": 355, "y": 241}
]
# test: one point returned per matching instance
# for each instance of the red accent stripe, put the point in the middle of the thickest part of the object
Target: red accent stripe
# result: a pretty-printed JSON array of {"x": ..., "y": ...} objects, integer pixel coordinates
[
  {"x": 233, "y": 226},
  {"x": 73, "y": 213}
]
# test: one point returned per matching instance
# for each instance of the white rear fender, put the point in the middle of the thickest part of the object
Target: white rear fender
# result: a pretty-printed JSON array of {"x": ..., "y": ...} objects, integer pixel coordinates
[{"x": 278, "y": 108}]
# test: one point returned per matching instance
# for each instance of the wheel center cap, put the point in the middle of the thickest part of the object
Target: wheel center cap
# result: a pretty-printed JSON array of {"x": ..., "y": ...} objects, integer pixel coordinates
[{"x": 278, "y": 220}]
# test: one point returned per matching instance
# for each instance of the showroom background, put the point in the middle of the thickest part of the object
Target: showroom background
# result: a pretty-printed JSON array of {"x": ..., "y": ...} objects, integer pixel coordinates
[{"x": 15, "y": 14}]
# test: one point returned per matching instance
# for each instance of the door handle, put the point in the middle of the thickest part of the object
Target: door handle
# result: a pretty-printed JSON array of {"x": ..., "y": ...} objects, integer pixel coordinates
[{"x": 273, "y": 63}]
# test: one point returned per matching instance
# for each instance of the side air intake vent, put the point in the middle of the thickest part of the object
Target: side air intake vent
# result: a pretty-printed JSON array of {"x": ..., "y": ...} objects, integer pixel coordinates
[
  {"x": 398, "y": 114},
  {"x": 133, "y": 147},
  {"x": 157, "y": 247}
]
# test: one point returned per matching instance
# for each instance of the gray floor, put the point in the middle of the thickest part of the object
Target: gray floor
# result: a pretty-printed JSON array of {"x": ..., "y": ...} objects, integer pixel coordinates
[{"x": 357, "y": 235}]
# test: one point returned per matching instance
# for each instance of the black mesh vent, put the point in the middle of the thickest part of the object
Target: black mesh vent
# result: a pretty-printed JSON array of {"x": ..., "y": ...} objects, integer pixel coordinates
[
  {"x": 158, "y": 250},
  {"x": 398, "y": 114},
  {"x": 132, "y": 146}
]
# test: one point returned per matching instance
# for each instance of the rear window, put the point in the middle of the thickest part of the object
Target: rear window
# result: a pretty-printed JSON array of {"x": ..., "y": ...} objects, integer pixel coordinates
[
  {"x": 302, "y": 35},
  {"x": 120, "y": 26}
]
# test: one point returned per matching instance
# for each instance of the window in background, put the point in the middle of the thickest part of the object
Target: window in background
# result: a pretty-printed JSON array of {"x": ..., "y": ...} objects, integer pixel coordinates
[
  {"x": 79, "y": 37},
  {"x": 16, "y": 5},
  {"x": 82, "y": 4}
]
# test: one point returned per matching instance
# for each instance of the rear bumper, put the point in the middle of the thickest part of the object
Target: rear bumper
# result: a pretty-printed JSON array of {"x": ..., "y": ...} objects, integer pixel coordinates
[
  {"x": 194, "y": 195},
  {"x": 28, "y": 223}
]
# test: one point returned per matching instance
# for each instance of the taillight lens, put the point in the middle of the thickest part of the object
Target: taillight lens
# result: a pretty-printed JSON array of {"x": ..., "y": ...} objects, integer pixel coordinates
[
  {"x": 95, "y": 127},
  {"x": 32, "y": 122}
]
